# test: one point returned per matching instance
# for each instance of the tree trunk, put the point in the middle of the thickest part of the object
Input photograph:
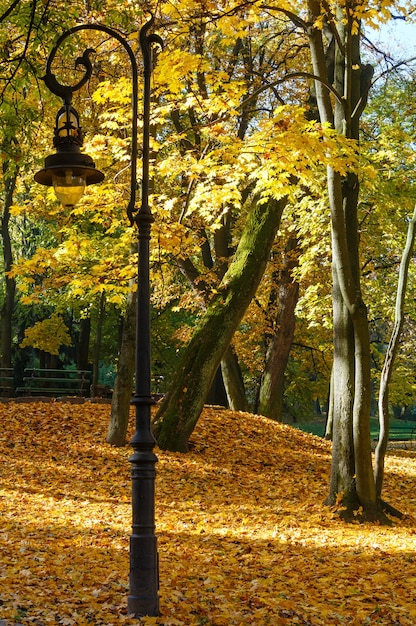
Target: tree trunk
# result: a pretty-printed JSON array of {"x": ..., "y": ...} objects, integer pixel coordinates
[
  {"x": 83, "y": 346},
  {"x": 342, "y": 466},
  {"x": 352, "y": 481},
  {"x": 230, "y": 371},
  {"x": 10, "y": 283},
  {"x": 123, "y": 386},
  {"x": 329, "y": 426},
  {"x": 233, "y": 381},
  {"x": 272, "y": 385},
  {"x": 184, "y": 401},
  {"x": 98, "y": 342},
  {"x": 391, "y": 353}
]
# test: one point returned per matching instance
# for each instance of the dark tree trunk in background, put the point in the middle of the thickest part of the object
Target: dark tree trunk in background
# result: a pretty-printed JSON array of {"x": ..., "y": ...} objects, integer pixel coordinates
[
  {"x": 10, "y": 283},
  {"x": 98, "y": 342},
  {"x": 233, "y": 381},
  {"x": 285, "y": 298},
  {"x": 83, "y": 343},
  {"x": 123, "y": 386}
]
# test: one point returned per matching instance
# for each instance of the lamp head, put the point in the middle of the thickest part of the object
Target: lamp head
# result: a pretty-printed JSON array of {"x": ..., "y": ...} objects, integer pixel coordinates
[{"x": 68, "y": 170}]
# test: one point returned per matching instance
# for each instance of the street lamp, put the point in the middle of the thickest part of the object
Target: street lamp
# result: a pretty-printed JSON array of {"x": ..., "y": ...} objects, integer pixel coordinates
[{"x": 69, "y": 171}]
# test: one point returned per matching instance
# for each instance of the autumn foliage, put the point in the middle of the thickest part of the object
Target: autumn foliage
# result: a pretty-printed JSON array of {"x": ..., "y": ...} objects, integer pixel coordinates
[{"x": 243, "y": 535}]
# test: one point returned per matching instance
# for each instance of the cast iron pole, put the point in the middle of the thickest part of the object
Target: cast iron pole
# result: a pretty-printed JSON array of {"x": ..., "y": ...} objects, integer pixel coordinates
[{"x": 144, "y": 574}]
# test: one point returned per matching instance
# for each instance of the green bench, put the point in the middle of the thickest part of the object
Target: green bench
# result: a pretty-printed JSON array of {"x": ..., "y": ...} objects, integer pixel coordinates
[
  {"x": 402, "y": 433},
  {"x": 6, "y": 382},
  {"x": 50, "y": 382}
]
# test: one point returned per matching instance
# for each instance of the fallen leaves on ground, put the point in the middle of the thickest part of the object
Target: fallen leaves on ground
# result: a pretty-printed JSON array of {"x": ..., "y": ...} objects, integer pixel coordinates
[{"x": 243, "y": 535}]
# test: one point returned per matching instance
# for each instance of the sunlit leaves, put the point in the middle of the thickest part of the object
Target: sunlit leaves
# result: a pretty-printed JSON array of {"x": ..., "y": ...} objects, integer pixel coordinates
[
  {"x": 82, "y": 266},
  {"x": 47, "y": 335}
]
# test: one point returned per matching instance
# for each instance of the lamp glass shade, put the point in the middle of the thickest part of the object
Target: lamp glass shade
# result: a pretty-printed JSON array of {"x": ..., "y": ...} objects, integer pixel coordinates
[
  {"x": 68, "y": 187},
  {"x": 67, "y": 124}
]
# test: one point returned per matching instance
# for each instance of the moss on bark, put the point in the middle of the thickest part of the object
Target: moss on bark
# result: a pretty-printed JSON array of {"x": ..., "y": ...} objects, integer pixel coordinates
[{"x": 182, "y": 406}]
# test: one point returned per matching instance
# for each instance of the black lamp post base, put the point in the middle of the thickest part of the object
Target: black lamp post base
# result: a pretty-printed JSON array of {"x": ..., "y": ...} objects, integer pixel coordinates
[{"x": 144, "y": 576}]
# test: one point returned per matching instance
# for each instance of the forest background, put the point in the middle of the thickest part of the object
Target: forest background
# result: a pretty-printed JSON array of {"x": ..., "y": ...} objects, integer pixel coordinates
[{"x": 253, "y": 137}]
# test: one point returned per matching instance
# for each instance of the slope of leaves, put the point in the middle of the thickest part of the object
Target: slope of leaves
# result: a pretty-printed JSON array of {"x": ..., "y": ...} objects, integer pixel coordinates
[{"x": 243, "y": 536}]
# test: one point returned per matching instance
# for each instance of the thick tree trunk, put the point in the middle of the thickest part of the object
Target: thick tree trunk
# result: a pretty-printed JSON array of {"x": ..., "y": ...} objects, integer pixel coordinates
[
  {"x": 10, "y": 283},
  {"x": 184, "y": 401},
  {"x": 230, "y": 372},
  {"x": 123, "y": 386},
  {"x": 391, "y": 353},
  {"x": 365, "y": 484},
  {"x": 352, "y": 481},
  {"x": 271, "y": 392},
  {"x": 342, "y": 466}
]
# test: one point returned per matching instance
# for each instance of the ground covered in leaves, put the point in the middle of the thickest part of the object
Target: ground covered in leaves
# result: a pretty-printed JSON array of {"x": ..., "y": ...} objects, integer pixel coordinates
[{"x": 242, "y": 533}]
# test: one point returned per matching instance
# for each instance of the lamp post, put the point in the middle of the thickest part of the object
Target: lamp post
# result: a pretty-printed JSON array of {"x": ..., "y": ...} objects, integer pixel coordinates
[{"x": 69, "y": 171}]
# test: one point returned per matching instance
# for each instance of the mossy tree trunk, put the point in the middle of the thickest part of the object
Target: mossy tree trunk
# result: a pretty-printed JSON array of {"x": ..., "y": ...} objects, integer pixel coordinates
[{"x": 182, "y": 405}]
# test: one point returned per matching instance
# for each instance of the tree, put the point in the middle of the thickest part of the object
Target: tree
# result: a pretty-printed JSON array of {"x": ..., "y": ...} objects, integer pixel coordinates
[
  {"x": 28, "y": 30},
  {"x": 10, "y": 282},
  {"x": 351, "y": 472},
  {"x": 208, "y": 199},
  {"x": 342, "y": 84},
  {"x": 388, "y": 137},
  {"x": 284, "y": 297},
  {"x": 120, "y": 403},
  {"x": 183, "y": 403},
  {"x": 280, "y": 170},
  {"x": 391, "y": 353}
]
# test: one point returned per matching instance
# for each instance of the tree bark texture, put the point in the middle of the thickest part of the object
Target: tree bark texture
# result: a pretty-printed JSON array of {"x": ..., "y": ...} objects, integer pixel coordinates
[
  {"x": 342, "y": 466},
  {"x": 182, "y": 405},
  {"x": 123, "y": 386},
  {"x": 352, "y": 480},
  {"x": 233, "y": 381},
  {"x": 230, "y": 371},
  {"x": 272, "y": 383}
]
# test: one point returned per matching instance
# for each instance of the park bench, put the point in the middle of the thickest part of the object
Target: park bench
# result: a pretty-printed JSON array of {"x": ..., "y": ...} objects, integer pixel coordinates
[
  {"x": 50, "y": 382},
  {"x": 6, "y": 382},
  {"x": 406, "y": 432}
]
